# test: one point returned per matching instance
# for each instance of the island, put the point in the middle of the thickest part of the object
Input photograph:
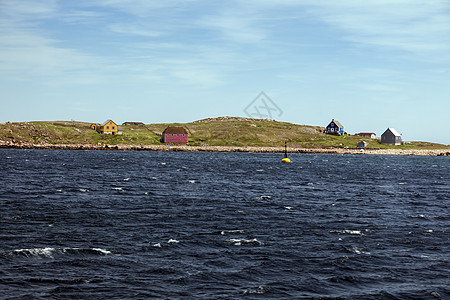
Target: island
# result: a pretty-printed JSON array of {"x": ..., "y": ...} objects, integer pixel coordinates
[{"x": 221, "y": 134}]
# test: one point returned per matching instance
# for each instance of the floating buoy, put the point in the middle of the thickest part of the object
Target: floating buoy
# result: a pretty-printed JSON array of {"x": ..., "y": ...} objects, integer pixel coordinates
[{"x": 285, "y": 159}]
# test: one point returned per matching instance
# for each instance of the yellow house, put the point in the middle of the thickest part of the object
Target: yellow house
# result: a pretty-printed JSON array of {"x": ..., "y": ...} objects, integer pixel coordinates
[{"x": 108, "y": 127}]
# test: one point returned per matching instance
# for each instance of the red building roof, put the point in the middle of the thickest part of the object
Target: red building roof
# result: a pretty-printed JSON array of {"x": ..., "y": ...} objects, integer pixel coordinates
[{"x": 175, "y": 130}]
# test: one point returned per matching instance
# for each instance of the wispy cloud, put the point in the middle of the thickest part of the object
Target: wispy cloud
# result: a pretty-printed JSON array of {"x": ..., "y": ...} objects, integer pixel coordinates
[{"x": 411, "y": 26}]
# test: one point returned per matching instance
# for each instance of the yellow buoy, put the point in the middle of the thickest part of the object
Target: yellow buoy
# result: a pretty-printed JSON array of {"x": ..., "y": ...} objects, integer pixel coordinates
[{"x": 285, "y": 159}]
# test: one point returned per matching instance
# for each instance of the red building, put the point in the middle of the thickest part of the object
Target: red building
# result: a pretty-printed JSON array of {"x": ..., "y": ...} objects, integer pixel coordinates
[{"x": 174, "y": 135}]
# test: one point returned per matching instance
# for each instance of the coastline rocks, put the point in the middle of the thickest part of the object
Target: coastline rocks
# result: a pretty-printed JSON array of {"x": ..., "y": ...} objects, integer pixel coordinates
[{"x": 206, "y": 148}]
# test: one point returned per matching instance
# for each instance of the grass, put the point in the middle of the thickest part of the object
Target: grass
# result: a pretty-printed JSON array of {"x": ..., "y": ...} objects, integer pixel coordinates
[{"x": 225, "y": 131}]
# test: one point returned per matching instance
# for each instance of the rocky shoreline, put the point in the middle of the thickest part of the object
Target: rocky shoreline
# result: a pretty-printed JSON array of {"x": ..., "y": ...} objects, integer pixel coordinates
[{"x": 185, "y": 148}]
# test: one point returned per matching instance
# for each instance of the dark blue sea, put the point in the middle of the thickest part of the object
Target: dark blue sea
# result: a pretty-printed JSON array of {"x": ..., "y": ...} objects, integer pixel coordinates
[{"x": 171, "y": 225}]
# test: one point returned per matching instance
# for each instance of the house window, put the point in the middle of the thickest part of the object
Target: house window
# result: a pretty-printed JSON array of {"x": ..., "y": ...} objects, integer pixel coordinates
[
  {"x": 107, "y": 127},
  {"x": 113, "y": 127}
]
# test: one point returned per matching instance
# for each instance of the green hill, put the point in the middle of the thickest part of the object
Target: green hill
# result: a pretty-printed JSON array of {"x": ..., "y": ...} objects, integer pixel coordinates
[{"x": 222, "y": 131}]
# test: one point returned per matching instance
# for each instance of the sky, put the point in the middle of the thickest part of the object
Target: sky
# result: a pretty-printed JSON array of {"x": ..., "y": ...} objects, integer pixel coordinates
[{"x": 368, "y": 64}]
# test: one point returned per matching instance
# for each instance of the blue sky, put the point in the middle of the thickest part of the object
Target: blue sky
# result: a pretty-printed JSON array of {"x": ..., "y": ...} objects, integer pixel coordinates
[{"x": 369, "y": 64}]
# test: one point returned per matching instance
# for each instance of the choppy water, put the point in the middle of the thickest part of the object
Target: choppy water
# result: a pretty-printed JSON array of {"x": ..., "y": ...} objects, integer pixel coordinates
[{"x": 137, "y": 225}]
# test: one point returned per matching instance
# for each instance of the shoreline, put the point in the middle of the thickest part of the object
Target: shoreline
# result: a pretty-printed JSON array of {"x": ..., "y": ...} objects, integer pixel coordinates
[{"x": 184, "y": 148}]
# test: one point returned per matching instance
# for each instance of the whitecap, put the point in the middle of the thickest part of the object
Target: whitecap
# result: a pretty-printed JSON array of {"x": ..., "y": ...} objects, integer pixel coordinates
[
  {"x": 288, "y": 207},
  {"x": 192, "y": 181},
  {"x": 102, "y": 251},
  {"x": 264, "y": 197},
  {"x": 346, "y": 231},
  {"x": 260, "y": 170},
  {"x": 44, "y": 252},
  {"x": 59, "y": 191},
  {"x": 117, "y": 188},
  {"x": 126, "y": 179},
  {"x": 232, "y": 231},
  {"x": 239, "y": 242},
  {"x": 158, "y": 245},
  {"x": 259, "y": 290},
  {"x": 358, "y": 232},
  {"x": 163, "y": 163},
  {"x": 83, "y": 190},
  {"x": 173, "y": 241}
]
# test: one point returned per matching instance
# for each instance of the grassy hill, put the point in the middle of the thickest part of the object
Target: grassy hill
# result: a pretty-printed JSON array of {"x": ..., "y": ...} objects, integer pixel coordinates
[{"x": 222, "y": 131}]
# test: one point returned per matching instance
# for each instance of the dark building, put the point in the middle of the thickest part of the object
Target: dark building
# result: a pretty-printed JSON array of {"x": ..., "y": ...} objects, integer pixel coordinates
[
  {"x": 391, "y": 137},
  {"x": 335, "y": 128}
]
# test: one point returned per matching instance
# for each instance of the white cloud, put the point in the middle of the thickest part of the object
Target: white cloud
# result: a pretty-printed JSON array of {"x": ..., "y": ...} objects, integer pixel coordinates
[
  {"x": 234, "y": 26},
  {"x": 134, "y": 29},
  {"x": 412, "y": 26}
]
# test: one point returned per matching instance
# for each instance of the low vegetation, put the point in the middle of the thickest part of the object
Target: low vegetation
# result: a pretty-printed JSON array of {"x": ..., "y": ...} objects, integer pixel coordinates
[{"x": 224, "y": 131}]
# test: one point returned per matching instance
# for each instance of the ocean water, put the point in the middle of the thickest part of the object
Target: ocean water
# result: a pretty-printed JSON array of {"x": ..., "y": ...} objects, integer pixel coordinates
[{"x": 170, "y": 225}]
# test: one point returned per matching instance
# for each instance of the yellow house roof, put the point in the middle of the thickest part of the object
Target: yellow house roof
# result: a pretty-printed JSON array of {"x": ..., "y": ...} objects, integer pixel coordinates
[{"x": 107, "y": 121}]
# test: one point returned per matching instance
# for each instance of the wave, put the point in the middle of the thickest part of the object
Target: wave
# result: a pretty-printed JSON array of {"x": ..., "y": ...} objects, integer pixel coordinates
[
  {"x": 240, "y": 242},
  {"x": 346, "y": 231},
  {"x": 52, "y": 252},
  {"x": 232, "y": 231}
]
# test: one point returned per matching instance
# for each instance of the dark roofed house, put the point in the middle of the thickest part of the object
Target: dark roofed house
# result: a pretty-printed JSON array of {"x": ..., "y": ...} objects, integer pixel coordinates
[
  {"x": 174, "y": 135},
  {"x": 335, "y": 128},
  {"x": 133, "y": 123}
]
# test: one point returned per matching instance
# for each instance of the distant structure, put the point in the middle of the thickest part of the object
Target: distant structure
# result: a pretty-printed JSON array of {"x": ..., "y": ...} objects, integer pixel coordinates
[
  {"x": 369, "y": 135},
  {"x": 174, "y": 135},
  {"x": 133, "y": 123},
  {"x": 107, "y": 127},
  {"x": 362, "y": 144},
  {"x": 391, "y": 137},
  {"x": 335, "y": 128}
]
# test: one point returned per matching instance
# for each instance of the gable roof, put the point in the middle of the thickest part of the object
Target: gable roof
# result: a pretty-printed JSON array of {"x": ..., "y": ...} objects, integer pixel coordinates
[
  {"x": 394, "y": 132},
  {"x": 176, "y": 130},
  {"x": 337, "y": 123},
  {"x": 106, "y": 122}
]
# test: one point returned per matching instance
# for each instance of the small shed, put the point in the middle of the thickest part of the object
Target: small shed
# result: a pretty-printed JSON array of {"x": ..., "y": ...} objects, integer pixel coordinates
[
  {"x": 174, "y": 135},
  {"x": 335, "y": 127},
  {"x": 362, "y": 144},
  {"x": 94, "y": 126},
  {"x": 391, "y": 137}
]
